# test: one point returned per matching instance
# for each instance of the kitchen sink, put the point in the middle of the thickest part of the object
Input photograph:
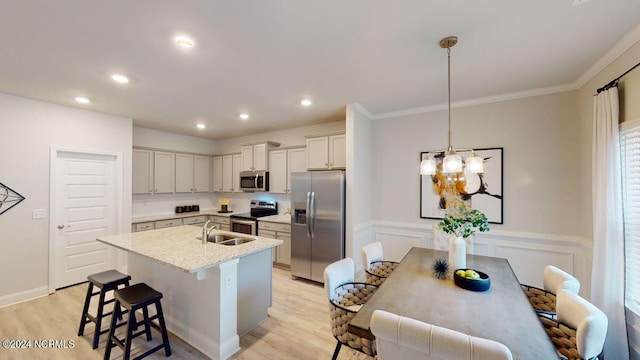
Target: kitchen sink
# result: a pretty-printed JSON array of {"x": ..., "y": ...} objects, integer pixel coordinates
[
  {"x": 227, "y": 239},
  {"x": 236, "y": 241}
]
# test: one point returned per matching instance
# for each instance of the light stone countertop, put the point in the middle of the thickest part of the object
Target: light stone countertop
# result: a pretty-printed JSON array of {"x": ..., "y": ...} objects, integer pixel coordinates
[
  {"x": 170, "y": 216},
  {"x": 283, "y": 219},
  {"x": 179, "y": 248}
]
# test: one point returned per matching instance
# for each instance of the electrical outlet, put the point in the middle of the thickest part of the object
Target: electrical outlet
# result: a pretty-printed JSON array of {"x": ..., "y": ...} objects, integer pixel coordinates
[
  {"x": 228, "y": 281},
  {"x": 39, "y": 214}
]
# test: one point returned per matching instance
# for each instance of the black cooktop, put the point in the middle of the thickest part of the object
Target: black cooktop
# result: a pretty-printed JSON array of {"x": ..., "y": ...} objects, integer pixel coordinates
[{"x": 258, "y": 209}]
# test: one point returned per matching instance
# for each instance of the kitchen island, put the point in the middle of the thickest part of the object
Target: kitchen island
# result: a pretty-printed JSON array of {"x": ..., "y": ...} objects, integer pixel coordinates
[{"x": 213, "y": 293}]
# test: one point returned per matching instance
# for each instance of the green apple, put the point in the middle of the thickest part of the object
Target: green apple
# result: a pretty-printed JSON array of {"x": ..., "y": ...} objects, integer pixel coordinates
[
  {"x": 471, "y": 274},
  {"x": 461, "y": 273}
]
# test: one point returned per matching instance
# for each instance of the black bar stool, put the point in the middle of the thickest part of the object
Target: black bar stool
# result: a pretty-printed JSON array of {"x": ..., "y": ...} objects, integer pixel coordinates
[
  {"x": 106, "y": 281},
  {"x": 132, "y": 298}
]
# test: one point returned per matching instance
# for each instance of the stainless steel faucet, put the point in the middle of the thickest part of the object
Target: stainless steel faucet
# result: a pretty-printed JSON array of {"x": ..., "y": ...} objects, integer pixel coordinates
[{"x": 206, "y": 230}]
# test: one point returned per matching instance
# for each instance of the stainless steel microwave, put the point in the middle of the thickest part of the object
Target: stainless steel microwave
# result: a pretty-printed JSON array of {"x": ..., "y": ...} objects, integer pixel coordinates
[{"x": 254, "y": 181}]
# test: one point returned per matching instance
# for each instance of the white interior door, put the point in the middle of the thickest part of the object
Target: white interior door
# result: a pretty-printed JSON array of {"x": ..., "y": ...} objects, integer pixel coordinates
[{"x": 84, "y": 207}]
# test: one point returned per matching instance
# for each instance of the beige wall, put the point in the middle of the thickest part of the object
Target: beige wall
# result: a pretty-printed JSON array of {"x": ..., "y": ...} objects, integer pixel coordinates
[
  {"x": 630, "y": 109},
  {"x": 538, "y": 134},
  {"x": 29, "y": 129}
]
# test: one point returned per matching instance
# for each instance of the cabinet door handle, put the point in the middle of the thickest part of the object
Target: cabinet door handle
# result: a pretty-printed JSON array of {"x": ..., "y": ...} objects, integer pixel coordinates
[
  {"x": 150, "y": 190},
  {"x": 156, "y": 190}
]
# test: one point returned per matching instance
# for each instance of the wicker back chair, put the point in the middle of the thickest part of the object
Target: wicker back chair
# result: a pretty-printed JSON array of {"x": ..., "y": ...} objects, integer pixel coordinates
[
  {"x": 581, "y": 328},
  {"x": 376, "y": 269},
  {"x": 346, "y": 297},
  {"x": 404, "y": 338},
  {"x": 544, "y": 301}
]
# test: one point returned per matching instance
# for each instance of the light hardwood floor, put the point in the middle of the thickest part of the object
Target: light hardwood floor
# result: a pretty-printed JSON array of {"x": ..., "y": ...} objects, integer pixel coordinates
[{"x": 297, "y": 327}]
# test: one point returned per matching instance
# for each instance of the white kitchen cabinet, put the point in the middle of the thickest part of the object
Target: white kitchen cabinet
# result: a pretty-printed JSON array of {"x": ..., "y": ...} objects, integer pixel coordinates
[
  {"x": 226, "y": 173},
  {"x": 280, "y": 231},
  {"x": 164, "y": 172},
  {"x": 161, "y": 224},
  {"x": 195, "y": 220},
  {"x": 144, "y": 226},
  {"x": 201, "y": 173},
  {"x": 237, "y": 167},
  {"x": 142, "y": 161},
  {"x": 255, "y": 156},
  {"x": 326, "y": 152},
  {"x": 217, "y": 173},
  {"x": 192, "y": 173},
  {"x": 281, "y": 164},
  {"x": 222, "y": 221}
]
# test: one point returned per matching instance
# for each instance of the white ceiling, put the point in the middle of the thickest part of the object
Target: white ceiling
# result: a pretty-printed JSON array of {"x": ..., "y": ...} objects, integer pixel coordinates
[{"x": 264, "y": 56}]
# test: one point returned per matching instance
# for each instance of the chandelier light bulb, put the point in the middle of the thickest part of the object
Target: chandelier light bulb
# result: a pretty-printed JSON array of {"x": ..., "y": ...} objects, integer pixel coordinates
[
  {"x": 452, "y": 163},
  {"x": 428, "y": 166},
  {"x": 474, "y": 163}
]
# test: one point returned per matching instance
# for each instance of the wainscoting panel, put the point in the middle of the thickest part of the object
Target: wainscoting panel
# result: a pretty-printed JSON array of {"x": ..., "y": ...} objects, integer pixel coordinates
[
  {"x": 528, "y": 262},
  {"x": 528, "y": 253}
]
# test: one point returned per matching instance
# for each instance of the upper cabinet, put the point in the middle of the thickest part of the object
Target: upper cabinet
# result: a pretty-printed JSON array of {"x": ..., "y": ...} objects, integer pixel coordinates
[
  {"x": 163, "y": 172},
  {"x": 217, "y": 173},
  {"x": 226, "y": 173},
  {"x": 281, "y": 164},
  {"x": 255, "y": 156},
  {"x": 142, "y": 172},
  {"x": 153, "y": 172},
  {"x": 192, "y": 173},
  {"x": 326, "y": 152}
]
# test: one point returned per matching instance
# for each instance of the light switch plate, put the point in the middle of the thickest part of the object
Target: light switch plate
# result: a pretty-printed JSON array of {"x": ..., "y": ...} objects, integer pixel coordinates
[{"x": 39, "y": 213}]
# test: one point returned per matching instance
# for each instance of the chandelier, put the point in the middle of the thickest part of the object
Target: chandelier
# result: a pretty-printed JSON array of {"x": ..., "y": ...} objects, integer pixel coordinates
[{"x": 452, "y": 162}]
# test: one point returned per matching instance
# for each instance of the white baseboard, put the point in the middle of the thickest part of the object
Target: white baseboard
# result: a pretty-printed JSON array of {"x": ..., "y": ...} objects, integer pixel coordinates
[{"x": 24, "y": 296}]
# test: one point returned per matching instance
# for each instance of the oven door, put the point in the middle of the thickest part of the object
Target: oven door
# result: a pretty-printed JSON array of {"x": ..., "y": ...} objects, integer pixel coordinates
[{"x": 248, "y": 227}]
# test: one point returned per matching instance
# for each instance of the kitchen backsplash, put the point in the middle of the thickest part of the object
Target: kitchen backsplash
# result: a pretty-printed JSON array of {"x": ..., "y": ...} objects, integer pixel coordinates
[{"x": 145, "y": 205}]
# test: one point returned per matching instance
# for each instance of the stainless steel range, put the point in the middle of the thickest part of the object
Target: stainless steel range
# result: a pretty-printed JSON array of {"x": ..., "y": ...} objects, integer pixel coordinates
[{"x": 247, "y": 223}]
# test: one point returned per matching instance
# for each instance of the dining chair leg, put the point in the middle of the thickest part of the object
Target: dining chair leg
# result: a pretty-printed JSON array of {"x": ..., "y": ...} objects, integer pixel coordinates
[{"x": 336, "y": 351}]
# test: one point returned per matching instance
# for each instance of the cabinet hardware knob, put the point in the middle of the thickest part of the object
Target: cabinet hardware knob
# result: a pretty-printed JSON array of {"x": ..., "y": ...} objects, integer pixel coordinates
[
  {"x": 156, "y": 190},
  {"x": 61, "y": 226}
]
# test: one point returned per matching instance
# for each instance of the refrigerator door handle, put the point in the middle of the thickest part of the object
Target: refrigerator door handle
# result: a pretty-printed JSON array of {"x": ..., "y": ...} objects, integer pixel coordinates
[
  {"x": 313, "y": 214},
  {"x": 308, "y": 214}
]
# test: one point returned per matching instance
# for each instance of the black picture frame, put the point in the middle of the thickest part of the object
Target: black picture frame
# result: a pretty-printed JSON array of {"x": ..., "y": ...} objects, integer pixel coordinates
[
  {"x": 478, "y": 191},
  {"x": 8, "y": 198}
]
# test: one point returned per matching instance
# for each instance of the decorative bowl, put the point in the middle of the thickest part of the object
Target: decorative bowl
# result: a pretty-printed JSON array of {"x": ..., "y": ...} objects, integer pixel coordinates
[{"x": 482, "y": 284}]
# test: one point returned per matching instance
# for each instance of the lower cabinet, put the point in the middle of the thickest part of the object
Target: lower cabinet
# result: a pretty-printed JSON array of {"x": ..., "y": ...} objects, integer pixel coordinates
[
  {"x": 161, "y": 224},
  {"x": 282, "y": 253},
  {"x": 222, "y": 221},
  {"x": 195, "y": 220}
]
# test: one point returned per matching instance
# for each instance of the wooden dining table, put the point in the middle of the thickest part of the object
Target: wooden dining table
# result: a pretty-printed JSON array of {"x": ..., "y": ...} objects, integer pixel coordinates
[{"x": 502, "y": 313}]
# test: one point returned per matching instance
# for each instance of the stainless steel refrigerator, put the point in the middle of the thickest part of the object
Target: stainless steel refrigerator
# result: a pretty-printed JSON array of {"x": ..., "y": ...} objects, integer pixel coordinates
[{"x": 317, "y": 227}]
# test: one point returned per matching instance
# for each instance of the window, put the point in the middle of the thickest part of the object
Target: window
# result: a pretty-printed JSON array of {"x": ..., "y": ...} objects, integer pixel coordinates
[{"x": 630, "y": 158}]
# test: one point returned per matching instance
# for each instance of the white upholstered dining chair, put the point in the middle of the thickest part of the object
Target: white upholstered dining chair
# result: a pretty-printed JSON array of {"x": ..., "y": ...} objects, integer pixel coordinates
[
  {"x": 399, "y": 337},
  {"x": 554, "y": 280},
  {"x": 581, "y": 328},
  {"x": 376, "y": 269},
  {"x": 346, "y": 297}
]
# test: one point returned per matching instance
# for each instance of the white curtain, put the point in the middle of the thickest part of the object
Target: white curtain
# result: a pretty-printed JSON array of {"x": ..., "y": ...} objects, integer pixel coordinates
[{"x": 607, "y": 276}]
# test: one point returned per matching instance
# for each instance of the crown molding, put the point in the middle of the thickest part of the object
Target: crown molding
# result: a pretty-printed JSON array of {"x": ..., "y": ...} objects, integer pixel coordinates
[
  {"x": 480, "y": 101},
  {"x": 362, "y": 110},
  {"x": 630, "y": 39},
  {"x": 627, "y": 41}
]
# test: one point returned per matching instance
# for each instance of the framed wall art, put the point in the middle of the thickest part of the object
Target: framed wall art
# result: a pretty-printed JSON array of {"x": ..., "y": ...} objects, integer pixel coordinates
[
  {"x": 440, "y": 192},
  {"x": 8, "y": 198}
]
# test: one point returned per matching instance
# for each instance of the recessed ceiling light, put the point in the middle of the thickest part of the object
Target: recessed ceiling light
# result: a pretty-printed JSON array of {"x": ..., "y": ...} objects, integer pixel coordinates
[
  {"x": 305, "y": 102},
  {"x": 201, "y": 126},
  {"x": 578, "y": 2},
  {"x": 244, "y": 116},
  {"x": 82, "y": 100},
  {"x": 184, "y": 41},
  {"x": 119, "y": 78}
]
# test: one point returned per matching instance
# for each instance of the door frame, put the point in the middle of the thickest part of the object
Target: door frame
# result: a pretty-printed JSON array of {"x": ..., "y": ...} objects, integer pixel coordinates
[{"x": 119, "y": 200}]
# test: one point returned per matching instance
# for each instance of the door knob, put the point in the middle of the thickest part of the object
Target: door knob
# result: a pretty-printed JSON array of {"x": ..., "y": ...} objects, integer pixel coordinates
[{"x": 61, "y": 226}]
